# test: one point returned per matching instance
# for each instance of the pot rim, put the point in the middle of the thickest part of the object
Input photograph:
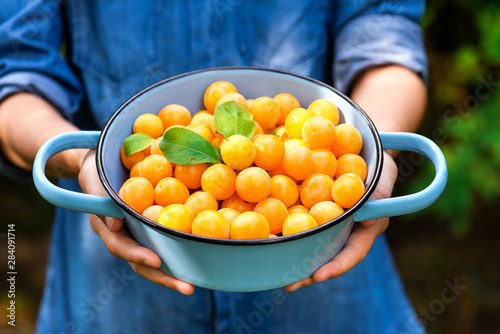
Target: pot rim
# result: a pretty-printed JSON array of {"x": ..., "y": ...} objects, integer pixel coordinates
[{"x": 349, "y": 212}]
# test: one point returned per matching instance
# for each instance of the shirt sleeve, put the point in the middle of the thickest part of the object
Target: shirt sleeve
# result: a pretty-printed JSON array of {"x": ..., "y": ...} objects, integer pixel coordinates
[
  {"x": 376, "y": 34},
  {"x": 31, "y": 35}
]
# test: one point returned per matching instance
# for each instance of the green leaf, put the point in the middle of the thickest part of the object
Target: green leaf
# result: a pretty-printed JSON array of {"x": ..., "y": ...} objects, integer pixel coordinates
[
  {"x": 136, "y": 143},
  {"x": 232, "y": 119},
  {"x": 185, "y": 147}
]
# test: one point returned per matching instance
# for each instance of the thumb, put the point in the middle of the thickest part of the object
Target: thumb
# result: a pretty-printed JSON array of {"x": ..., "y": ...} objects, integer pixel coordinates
[
  {"x": 385, "y": 184},
  {"x": 114, "y": 224},
  {"x": 88, "y": 178},
  {"x": 91, "y": 184}
]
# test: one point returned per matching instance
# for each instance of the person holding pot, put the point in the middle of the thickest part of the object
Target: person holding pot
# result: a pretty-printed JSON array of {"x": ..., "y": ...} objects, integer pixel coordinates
[{"x": 68, "y": 65}]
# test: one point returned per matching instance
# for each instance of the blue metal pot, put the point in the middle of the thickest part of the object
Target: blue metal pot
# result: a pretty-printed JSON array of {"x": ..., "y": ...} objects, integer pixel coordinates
[{"x": 237, "y": 265}]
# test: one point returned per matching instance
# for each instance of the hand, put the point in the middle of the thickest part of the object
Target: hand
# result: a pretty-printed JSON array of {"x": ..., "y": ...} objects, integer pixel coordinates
[
  {"x": 119, "y": 243},
  {"x": 362, "y": 237}
]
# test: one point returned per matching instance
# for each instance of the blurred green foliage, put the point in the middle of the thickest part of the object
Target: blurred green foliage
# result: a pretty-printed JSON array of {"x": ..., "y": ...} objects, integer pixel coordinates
[{"x": 463, "y": 117}]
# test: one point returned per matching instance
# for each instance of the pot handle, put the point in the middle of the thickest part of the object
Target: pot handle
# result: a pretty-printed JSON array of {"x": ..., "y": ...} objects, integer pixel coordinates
[
  {"x": 67, "y": 199},
  {"x": 401, "y": 205}
]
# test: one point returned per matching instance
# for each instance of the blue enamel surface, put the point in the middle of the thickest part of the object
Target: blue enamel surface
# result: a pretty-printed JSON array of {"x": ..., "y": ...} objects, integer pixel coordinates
[
  {"x": 64, "y": 198},
  {"x": 401, "y": 205},
  {"x": 242, "y": 268}
]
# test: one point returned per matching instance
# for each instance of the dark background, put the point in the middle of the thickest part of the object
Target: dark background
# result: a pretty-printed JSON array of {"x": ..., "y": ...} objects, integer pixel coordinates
[{"x": 455, "y": 241}]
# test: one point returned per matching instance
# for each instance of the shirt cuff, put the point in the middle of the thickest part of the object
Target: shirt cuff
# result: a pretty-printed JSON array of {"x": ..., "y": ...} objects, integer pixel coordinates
[
  {"x": 376, "y": 40},
  {"x": 40, "y": 85}
]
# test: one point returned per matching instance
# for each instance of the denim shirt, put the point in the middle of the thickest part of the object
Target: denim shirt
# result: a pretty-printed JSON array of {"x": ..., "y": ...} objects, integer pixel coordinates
[{"x": 88, "y": 57}]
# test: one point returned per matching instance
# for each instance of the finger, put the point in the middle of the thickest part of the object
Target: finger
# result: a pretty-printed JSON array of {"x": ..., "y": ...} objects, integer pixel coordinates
[
  {"x": 354, "y": 251},
  {"x": 387, "y": 179},
  {"x": 361, "y": 239},
  {"x": 114, "y": 224},
  {"x": 159, "y": 277},
  {"x": 142, "y": 260},
  {"x": 368, "y": 222},
  {"x": 385, "y": 185},
  {"x": 88, "y": 178},
  {"x": 122, "y": 246},
  {"x": 91, "y": 184},
  {"x": 357, "y": 247},
  {"x": 300, "y": 284}
]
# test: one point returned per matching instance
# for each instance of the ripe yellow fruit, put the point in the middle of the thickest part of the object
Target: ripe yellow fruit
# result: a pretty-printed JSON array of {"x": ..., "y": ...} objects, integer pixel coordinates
[
  {"x": 211, "y": 224},
  {"x": 299, "y": 162},
  {"x": 253, "y": 184},
  {"x": 326, "y": 211},
  {"x": 287, "y": 103},
  {"x": 177, "y": 216},
  {"x": 250, "y": 225},
  {"x": 200, "y": 201},
  {"x": 218, "y": 180},
  {"x": 275, "y": 212},
  {"x": 265, "y": 111},
  {"x": 298, "y": 222},
  {"x": 214, "y": 92},
  {"x": 269, "y": 152},
  {"x": 300, "y": 169},
  {"x": 347, "y": 190},
  {"x": 294, "y": 122},
  {"x": 325, "y": 108},
  {"x": 318, "y": 132},
  {"x": 347, "y": 140},
  {"x": 238, "y": 152}
]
